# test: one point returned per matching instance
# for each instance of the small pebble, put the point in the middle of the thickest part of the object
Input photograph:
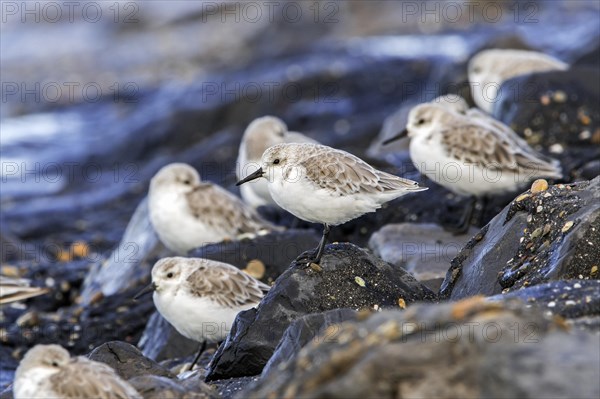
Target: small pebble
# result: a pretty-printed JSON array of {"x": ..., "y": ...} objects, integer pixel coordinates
[
  {"x": 359, "y": 281},
  {"x": 255, "y": 268},
  {"x": 522, "y": 197},
  {"x": 559, "y": 96},
  {"x": 567, "y": 226},
  {"x": 402, "y": 303},
  {"x": 551, "y": 304},
  {"x": 539, "y": 185},
  {"x": 80, "y": 249},
  {"x": 316, "y": 267},
  {"x": 556, "y": 148},
  {"x": 586, "y": 134}
]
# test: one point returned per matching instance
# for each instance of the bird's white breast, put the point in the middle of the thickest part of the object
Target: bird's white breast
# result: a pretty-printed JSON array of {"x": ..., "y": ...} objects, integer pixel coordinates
[
  {"x": 196, "y": 318},
  {"x": 175, "y": 225},
  {"x": 430, "y": 158},
  {"x": 35, "y": 384},
  {"x": 309, "y": 202}
]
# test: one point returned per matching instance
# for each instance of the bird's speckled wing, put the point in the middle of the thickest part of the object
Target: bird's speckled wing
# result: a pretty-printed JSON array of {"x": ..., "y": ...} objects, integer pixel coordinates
[
  {"x": 486, "y": 145},
  {"x": 218, "y": 208},
  {"x": 226, "y": 285},
  {"x": 17, "y": 289},
  {"x": 346, "y": 174},
  {"x": 83, "y": 378}
]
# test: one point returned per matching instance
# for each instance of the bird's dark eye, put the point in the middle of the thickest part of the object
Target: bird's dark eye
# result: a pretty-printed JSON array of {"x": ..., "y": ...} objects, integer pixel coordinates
[
  {"x": 476, "y": 70},
  {"x": 169, "y": 275},
  {"x": 54, "y": 364},
  {"x": 421, "y": 121},
  {"x": 186, "y": 181},
  {"x": 276, "y": 161}
]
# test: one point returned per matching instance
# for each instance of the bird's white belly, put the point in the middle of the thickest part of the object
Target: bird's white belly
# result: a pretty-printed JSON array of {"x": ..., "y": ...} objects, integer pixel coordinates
[
  {"x": 459, "y": 177},
  {"x": 177, "y": 228},
  {"x": 197, "y": 318},
  {"x": 34, "y": 384},
  {"x": 321, "y": 206},
  {"x": 256, "y": 193}
]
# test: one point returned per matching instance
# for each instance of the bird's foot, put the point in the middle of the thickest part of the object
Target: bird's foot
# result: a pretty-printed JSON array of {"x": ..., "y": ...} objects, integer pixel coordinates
[{"x": 310, "y": 260}]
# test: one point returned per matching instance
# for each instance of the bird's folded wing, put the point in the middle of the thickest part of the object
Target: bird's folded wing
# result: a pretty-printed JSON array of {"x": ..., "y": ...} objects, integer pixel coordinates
[
  {"x": 215, "y": 206},
  {"x": 226, "y": 285},
  {"x": 345, "y": 174}
]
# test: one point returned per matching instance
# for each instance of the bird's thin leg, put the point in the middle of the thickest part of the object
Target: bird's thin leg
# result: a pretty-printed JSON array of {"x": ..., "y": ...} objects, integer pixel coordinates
[
  {"x": 465, "y": 221},
  {"x": 483, "y": 203},
  {"x": 200, "y": 351},
  {"x": 322, "y": 244}
]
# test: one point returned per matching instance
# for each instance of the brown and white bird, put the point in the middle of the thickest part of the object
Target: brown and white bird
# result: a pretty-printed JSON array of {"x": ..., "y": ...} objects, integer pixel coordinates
[
  {"x": 320, "y": 184},
  {"x": 261, "y": 134},
  {"x": 202, "y": 297},
  {"x": 488, "y": 69},
  {"x": 470, "y": 153},
  {"x": 48, "y": 371},
  {"x": 188, "y": 213}
]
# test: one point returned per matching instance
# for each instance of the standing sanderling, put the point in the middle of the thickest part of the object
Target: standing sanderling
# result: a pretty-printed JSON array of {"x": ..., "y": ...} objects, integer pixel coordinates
[
  {"x": 472, "y": 155},
  {"x": 261, "y": 134},
  {"x": 490, "y": 68},
  {"x": 187, "y": 213},
  {"x": 202, "y": 297},
  {"x": 320, "y": 184},
  {"x": 48, "y": 371}
]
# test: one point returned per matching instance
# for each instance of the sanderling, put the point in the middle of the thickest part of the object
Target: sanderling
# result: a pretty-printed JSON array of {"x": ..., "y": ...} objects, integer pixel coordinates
[
  {"x": 472, "y": 155},
  {"x": 490, "y": 68},
  {"x": 261, "y": 134},
  {"x": 48, "y": 371},
  {"x": 17, "y": 289},
  {"x": 456, "y": 103},
  {"x": 187, "y": 213},
  {"x": 320, "y": 184},
  {"x": 202, "y": 297}
]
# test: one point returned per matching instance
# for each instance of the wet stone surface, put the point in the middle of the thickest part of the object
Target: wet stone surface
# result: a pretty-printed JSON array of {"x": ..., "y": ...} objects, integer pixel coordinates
[
  {"x": 348, "y": 277},
  {"x": 557, "y": 112},
  {"x": 410, "y": 354},
  {"x": 540, "y": 237}
]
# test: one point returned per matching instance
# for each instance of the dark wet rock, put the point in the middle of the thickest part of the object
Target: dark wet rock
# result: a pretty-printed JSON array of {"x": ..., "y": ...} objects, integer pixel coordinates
[
  {"x": 539, "y": 237},
  {"x": 81, "y": 329},
  {"x": 127, "y": 360},
  {"x": 472, "y": 348},
  {"x": 575, "y": 300},
  {"x": 348, "y": 277},
  {"x": 157, "y": 387},
  {"x": 590, "y": 58},
  {"x": 557, "y": 112},
  {"x": 231, "y": 387},
  {"x": 425, "y": 250},
  {"x": 301, "y": 331},
  {"x": 161, "y": 340},
  {"x": 274, "y": 250},
  {"x": 130, "y": 262}
]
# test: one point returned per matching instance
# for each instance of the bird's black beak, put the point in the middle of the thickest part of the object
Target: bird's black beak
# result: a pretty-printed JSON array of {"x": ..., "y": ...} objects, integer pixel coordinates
[
  {"x": 151, "y": 287},
  {"x": 400, "y": 135},
  {"x": 253, "y": 176}
]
